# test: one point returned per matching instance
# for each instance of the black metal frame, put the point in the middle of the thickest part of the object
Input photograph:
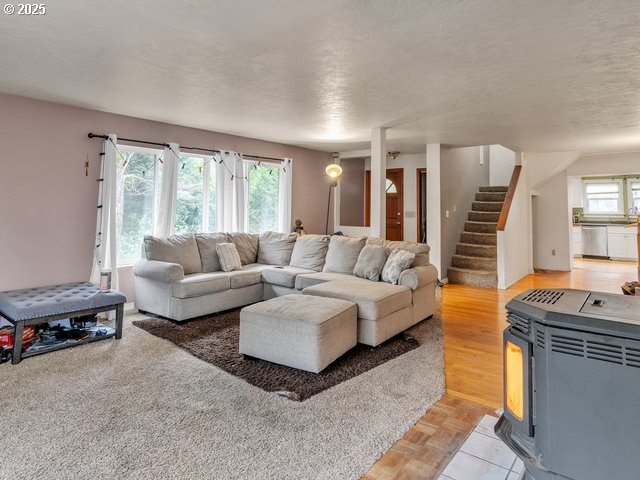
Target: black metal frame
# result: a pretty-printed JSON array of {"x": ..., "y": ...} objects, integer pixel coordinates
[{"x": 19, "y": 325}]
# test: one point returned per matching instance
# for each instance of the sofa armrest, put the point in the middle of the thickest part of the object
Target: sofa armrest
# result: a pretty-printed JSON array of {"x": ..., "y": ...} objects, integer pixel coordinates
[
  {"x": 156, "y": 270},
  {"x": 418, "y": 277}
]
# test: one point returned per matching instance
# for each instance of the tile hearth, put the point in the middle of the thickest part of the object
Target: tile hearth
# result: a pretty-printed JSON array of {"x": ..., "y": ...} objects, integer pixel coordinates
[{"x": 483, "y": 456}]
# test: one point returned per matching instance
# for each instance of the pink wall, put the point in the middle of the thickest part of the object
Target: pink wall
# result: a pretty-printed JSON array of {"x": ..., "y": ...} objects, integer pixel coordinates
[
  {"x": 352, "y": 192},
  {"x": 48, "y": 205}
]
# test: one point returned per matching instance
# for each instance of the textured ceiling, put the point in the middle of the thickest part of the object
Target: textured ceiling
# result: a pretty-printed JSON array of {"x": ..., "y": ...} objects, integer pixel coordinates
[{"x": 531, "y": 75}]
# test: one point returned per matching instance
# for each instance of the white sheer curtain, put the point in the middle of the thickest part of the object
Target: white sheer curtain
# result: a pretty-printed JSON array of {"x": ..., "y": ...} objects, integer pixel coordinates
[
  {"x": 106, "y": 249},
  {"x": 166, "y": 219},
  {"x": 284, "y": 196},
  {"x": 231, "y": 193}
]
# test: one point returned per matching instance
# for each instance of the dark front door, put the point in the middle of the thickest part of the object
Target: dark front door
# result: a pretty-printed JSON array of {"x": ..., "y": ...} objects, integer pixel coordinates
[
  {"x": 395, "y": 203},
  {"x": 395, "y": 197}
]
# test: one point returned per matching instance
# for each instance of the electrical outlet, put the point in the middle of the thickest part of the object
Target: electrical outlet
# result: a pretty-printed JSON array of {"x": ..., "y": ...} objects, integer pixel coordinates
[
  {"x": 446, "y": 213},
  {"x": 553, "y": 252},
  {"x": 454, "y": 209}
]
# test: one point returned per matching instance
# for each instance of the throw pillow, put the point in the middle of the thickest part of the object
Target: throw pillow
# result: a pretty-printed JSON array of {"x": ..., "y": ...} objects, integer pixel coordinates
[
  {"x": 420, "y": 249},
  {"x": 228, "y": 257},
  {"x": 274, "y": 248},
  {"x": 180, "y": 249},
  {"x": 343, "y": 253},
  {"x": 247, "y": 246},
  {"x": 309, "y": 251},
  {"x": 207, "y": 246},
  {"x": 398, "y": 262},
  {"x": 370, "y": 262}
]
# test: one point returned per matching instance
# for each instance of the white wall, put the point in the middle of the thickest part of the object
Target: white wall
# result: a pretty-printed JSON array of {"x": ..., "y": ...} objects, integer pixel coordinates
[
  {"x": 461, "y": 173},
  {"x": 606, "y": 164},
  {"x": 544, "y": 166},
  {"x": 550, "y": 210},
  {"x": 434, "y": 207},
  {"x": 551, "y": 221},
  {"x": 575, "y": 192},
  {"x": 514, "y": 258},
  {"x": 501, "y": 163}
]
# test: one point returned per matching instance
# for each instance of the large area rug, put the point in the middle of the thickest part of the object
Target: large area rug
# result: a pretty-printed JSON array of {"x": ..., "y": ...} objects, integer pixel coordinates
[
  {"x": 215, "y": 340},
  {"x": 143, "y": 408}
]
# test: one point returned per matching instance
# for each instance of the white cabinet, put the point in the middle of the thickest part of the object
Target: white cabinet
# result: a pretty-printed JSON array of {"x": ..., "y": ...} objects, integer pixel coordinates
[
  {"x": 622, "y": 243},
  {"x": 576, "y": 235}
]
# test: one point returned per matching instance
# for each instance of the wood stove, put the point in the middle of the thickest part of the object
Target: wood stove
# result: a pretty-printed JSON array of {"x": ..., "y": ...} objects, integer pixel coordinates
[{"x": 572, "y": 384}]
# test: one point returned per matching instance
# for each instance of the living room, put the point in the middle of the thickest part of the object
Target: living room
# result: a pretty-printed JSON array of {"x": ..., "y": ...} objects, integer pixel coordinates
[{"x": 251, "y": 103}]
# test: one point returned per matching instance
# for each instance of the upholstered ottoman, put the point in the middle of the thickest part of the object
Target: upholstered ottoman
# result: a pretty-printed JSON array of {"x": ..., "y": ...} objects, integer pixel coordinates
[{"x": 299, "y": 331}]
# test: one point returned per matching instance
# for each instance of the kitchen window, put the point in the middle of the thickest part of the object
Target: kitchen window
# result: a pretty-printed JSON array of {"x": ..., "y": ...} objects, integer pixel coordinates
[
  {"x": 602, "y": 197},
  {"x": 633, "y": 188}
]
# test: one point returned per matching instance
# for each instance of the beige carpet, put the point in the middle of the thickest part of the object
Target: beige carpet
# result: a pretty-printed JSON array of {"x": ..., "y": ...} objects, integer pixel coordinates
[{"x": 142, "y": 408}]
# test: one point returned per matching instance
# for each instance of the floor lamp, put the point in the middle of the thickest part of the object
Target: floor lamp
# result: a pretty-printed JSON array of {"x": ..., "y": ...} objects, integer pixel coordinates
[{"x": 334, "y": 171}]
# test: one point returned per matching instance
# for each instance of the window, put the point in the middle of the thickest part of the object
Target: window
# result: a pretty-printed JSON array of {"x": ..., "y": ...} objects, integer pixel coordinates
[
  {"x": 633, "y": 188},
  {"x": 137, "y": 179},
  {"x": 138, "y": 185},
  {"x": 602, "y": 197},
  {"x": 263, "y": 191},
  {"x": 196, "y": 202},
  {"x": 391, "y": 187}
]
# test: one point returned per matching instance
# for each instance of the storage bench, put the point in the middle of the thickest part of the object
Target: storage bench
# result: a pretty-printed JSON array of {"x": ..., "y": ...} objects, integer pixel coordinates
[{"x": 34, "y": 306}]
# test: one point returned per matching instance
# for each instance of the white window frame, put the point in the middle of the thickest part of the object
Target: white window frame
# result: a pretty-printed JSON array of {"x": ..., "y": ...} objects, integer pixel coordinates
[
  {"x": 585, "y": 198},
  {"x": 120, "y": 147},
  {"x": 631, "y": 181}
]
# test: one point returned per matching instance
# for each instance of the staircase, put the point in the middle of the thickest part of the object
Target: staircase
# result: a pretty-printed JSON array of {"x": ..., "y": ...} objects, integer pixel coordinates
[{"x": 475, "y": 262}]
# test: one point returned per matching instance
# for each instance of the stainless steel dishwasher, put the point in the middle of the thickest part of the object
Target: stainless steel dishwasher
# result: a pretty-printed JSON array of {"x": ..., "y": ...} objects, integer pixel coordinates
[{"x": 594, "y": 240}]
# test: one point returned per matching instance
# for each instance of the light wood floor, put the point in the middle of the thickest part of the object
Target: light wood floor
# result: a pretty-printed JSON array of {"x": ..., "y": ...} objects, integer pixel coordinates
[{"x": 473, "y": 321}]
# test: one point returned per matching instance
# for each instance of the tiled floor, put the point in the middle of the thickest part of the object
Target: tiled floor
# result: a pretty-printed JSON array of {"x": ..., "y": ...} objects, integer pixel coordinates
[{"x": 483, "y": 456}]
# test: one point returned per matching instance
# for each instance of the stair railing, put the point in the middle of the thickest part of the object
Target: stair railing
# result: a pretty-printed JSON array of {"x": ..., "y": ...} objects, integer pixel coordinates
[
  {"x": 512, "y": 233},
  {"x": 506, "y": 206}
]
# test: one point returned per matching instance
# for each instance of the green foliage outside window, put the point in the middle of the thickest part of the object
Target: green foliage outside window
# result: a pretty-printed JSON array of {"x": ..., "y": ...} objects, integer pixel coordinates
[
  {"x": 136, "y": 177},
  {"x": 190, "y": 193},
  {"x": 263, "y": 199}
]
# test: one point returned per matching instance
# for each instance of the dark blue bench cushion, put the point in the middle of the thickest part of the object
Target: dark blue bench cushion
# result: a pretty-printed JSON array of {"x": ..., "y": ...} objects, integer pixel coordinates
[{"x": 55, "y": 300}]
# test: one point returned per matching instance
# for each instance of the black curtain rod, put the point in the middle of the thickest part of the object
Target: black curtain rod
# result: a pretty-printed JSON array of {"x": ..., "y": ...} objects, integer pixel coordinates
[{"x": 257, "y": 157}]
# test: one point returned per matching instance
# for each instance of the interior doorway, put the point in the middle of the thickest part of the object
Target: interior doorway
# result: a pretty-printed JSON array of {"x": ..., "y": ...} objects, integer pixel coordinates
[
  {"x": 421, "y": 189},
  {"x": 394, "y": 228}
]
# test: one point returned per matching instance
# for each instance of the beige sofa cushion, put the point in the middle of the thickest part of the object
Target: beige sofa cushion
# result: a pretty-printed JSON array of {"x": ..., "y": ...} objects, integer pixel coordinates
[
  {"x": 420, "y": 249},
  {"x": 343, "y": 253},
  {"x": 244, "y": 278},
  {"x": 305, "y": 280},
  {"x": 274, "y": 248},
  {"x": 247, "y": 245},
  {"x": 375, "y": 300},
  {"x": 283, "y": 276},
  {"x": 371, "y": 262},
  {"x": 180, "y": 249},
  {"x": 200, "y": 284},
  {"x": 207, "y": 247},
  {"x": 310, "y": 251}
]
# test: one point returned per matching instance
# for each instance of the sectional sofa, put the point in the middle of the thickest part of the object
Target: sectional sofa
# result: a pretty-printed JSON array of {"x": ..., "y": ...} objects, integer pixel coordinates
[{"x": 181, "y": 277}]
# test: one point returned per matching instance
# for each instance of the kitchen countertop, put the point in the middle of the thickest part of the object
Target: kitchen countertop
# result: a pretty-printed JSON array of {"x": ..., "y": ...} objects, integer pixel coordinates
[{"x": 605, "y": 224}]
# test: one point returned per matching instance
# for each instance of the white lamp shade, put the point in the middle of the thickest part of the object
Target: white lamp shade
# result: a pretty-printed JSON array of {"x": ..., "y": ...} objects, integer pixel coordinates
[{"x": 334, "y": 170}]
